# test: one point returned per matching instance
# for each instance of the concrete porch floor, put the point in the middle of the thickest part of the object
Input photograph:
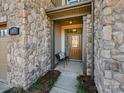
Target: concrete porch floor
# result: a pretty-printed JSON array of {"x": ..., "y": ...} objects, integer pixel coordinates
[
  {"x": 72, "y": 66},
  {"x": 3, "y": 87},
  {"x": 67, "y": 80}
]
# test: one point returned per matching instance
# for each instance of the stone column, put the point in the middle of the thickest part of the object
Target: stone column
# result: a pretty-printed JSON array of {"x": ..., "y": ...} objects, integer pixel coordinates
[
  {"x": 109, "y": 46},
  {"x": 29, "y": 53},
  {"x": 37, "y": 40},
  {"x": 88, "y": 48}
]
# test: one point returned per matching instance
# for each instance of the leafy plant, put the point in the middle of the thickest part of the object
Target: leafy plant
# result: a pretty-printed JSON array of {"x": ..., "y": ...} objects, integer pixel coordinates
[
  {"x": 49, "y": 84},
  {"x": 81, "y": 88},
  {"x": 37, "y": 85}
]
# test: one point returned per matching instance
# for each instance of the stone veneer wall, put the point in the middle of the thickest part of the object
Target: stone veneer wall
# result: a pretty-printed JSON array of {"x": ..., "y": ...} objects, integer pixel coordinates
[
  {"x": 89, "y": 65},
  {"x": 38, "y": 40},
  {"x": 29, "y": 53},
  {"x": 109, "y": 46}
]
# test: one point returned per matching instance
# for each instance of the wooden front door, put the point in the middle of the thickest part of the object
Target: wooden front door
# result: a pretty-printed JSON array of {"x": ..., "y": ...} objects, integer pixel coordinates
[
  {"x": 75, "y": 46},
  {"x": 73, "y": 43}
]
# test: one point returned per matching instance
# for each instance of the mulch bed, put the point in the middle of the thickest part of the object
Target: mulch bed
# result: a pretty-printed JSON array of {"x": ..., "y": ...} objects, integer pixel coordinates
[
  {"x": 42, "y": 85},
  {"x": 88, "y": 83},
  {"x": 47, "y": 82}
]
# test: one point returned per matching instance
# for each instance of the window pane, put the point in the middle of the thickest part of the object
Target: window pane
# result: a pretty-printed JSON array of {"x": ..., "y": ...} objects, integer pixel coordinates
[
  {"x": 72, "y": 1},
  {"x": 75, "y": 41},
  {"x": 4, "y": 32}
]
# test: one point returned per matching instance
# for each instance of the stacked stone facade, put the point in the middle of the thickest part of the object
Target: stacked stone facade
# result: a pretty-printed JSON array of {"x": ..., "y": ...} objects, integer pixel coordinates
[
  {"x": 38, "y": 40},
  {"x": 88, "y": 48},
  {"x": 109, "y": 46},
  {"x": 29, "y": 52}
]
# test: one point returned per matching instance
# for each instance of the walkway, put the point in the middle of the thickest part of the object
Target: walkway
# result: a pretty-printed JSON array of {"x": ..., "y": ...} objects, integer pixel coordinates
[
  {"x": 3, "y": 87},
  {"x": 67, "y": 80}
]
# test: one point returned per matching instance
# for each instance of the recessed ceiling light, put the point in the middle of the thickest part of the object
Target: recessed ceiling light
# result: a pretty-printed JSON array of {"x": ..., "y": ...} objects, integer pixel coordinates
[
  {"x": 74, "y": 30},
  {"x": 70, "y": 22}
]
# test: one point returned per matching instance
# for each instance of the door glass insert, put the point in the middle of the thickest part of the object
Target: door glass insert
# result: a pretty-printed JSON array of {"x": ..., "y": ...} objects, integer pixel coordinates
[{"x": 75, "y": 41}]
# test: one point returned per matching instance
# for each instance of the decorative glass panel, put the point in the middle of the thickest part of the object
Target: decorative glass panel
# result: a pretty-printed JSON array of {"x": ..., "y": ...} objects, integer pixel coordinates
[
  {"x": 74, "y": 30},
  {"x": 75, "y": 41}
]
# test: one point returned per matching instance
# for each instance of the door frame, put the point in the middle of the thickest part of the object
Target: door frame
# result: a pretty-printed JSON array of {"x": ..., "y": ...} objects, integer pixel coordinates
[
  {"x": 53, "y": 22},
  {"x": 65, "y": 36}
]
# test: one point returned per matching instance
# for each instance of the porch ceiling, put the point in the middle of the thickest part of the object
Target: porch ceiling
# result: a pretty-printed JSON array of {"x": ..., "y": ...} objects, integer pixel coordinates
[
  {"x": 74, "y": 20},
  {"x": 62, "y": 12}
]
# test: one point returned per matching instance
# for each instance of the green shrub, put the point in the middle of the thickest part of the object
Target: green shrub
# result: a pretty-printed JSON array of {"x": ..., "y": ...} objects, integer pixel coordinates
[
  {"x": 37, "y": 85},
  {"x": 49, "y": 84},
  {"x": 81, "y": 88}
]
